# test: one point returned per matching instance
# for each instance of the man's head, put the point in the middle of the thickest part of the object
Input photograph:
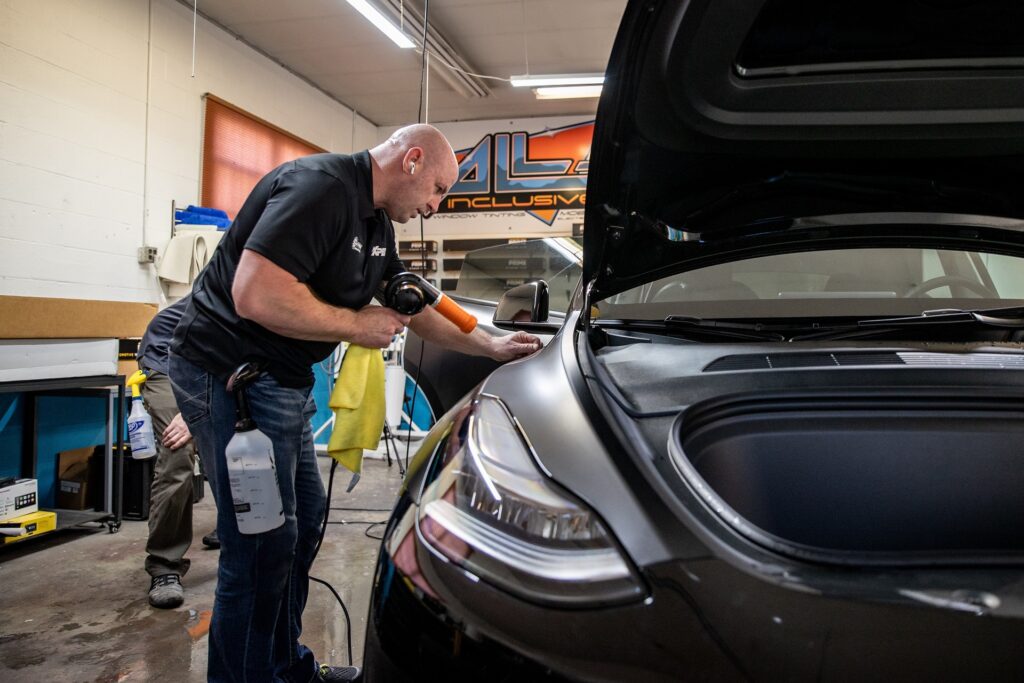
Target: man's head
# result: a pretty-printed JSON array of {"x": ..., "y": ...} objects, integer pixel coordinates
[{"x": 413, "y": 171}]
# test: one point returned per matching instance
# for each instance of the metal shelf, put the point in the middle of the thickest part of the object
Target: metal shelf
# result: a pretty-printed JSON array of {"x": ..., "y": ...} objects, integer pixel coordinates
[
  {"x": 69, "y": 518},
  {"x": 98, "y": 385}
]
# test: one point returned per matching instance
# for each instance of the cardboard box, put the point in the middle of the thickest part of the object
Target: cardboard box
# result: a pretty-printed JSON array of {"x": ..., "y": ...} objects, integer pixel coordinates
[
  {"x": 127, "y": 350},
  {"x": 26, "y": 526},
  {"x": 127, "y": 368},
  {"x": 75, "y": 477},
  {"x": 29, "y": 317},
  {"x": 32, "y": 359},
  {"x": 19, "y": 498}
]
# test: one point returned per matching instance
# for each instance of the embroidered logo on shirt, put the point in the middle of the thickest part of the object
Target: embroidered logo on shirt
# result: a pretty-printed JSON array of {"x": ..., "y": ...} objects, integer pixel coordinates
[
  {"x": 357, "y": 245},
  {"x": 378, "y": 251}
]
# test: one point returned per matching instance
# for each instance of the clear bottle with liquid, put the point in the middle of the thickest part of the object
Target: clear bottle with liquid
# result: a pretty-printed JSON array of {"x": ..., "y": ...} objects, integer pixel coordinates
[
  {"x": 252, "y": 474},
  {"x": 140, "y": 424}
]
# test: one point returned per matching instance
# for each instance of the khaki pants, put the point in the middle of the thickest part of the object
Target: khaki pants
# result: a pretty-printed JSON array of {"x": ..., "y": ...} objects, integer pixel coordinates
[{"x": 170, "y": 499}]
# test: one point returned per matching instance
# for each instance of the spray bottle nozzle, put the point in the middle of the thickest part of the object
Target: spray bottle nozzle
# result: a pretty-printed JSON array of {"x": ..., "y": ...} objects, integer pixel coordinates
[
  {"x": 135, "y": 381},
  {"x": 243, "y": 375},
  {"x": 237, "y": 382}
]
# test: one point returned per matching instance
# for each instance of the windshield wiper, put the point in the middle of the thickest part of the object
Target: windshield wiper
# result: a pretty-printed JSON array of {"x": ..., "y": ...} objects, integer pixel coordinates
[
  {"x": 1005, "y": 318},
  {"x": 695, "y": 327},
  {"x": 692, "y": 326},
  {"x": 723, "y": 328},
  {"x": 996, "y": 317}
]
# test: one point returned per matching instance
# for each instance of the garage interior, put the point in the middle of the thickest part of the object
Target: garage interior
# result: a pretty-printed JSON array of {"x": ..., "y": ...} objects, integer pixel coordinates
[{"x": 118, "y": 118}]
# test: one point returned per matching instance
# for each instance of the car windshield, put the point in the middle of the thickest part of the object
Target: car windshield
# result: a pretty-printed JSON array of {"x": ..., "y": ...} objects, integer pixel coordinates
[
  {"x": 840, "y": 282},
  {"x": 488, "y": 273}
]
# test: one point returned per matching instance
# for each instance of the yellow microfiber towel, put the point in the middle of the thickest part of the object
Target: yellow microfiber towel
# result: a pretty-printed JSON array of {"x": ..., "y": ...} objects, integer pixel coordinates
[{"x": 358, "y": 405}]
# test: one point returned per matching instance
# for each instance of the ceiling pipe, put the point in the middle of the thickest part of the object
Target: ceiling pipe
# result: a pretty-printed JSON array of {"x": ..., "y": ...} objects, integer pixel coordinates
[{"x": 466, "y": 85}]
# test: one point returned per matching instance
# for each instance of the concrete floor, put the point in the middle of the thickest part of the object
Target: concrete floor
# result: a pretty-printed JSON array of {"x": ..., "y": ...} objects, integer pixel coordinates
[{"x": 73, "y": 605}]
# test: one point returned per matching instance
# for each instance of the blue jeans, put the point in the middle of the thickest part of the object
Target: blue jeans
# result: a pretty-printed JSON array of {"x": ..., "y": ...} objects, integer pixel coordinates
[{"x": 262, "y": 579}]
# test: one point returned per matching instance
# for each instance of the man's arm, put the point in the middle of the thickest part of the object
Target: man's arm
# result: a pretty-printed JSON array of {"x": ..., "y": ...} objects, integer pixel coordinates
[
  {"x": 269, "y": 295},
  {"x": 432, "y": 326}
]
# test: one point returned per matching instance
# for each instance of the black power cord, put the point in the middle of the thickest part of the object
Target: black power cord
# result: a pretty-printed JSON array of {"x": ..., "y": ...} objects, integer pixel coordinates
[
  {"x": 320, "y": 541},
  {"x": 415, "y": 391},
  {"x": 423, "y": 244},
  {"x": 316, "y": 551}
]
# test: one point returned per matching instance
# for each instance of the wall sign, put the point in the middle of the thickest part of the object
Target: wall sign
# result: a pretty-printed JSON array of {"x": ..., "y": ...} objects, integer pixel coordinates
[{"x": 539, "y": 173}]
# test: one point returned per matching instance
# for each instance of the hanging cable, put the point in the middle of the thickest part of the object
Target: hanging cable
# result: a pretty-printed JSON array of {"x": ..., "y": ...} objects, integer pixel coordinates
[
  {"x": 195, "y": 23},
  {"x": 451, "y": 67},
  {"x": 420, "y": 113},
  {"x": 424, "y": 82},
  {"x": 526, "y": 50}
]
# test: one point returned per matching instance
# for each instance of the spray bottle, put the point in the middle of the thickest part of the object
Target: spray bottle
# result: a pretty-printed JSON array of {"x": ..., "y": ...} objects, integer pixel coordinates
[
  {"x": 140, "y": 424},
  {"x": 250, "y": 460}
]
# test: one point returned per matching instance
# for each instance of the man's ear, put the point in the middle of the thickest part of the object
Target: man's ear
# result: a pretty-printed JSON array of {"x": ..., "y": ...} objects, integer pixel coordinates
[{"x": 413, "y": 159}]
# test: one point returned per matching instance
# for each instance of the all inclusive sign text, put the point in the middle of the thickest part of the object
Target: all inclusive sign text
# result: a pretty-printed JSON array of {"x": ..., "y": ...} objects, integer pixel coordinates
[{"x": 540, "y": 173}]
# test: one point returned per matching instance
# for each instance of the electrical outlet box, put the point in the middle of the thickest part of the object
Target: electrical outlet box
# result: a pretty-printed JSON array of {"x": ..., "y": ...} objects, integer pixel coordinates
[{"x": 147, "y": 254}]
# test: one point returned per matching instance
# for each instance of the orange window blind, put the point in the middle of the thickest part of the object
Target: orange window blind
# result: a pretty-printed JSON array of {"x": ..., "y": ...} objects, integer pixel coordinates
[{"x": 238, "y": 150}]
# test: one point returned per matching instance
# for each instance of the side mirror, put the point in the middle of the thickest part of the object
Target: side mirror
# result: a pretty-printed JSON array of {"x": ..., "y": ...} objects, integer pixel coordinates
[{"x": 523, "y": 304}]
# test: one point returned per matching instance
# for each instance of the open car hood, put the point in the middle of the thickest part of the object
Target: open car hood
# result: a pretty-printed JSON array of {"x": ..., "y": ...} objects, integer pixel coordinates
[{"x": 733, "y": 129}]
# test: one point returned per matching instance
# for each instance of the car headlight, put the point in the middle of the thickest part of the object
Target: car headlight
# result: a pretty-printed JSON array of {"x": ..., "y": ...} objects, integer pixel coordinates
[{"x": 494, "y": 513}]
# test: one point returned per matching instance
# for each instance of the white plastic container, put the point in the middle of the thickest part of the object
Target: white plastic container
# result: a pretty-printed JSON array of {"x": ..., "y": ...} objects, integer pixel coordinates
[
  {"x": 253, "y": 479},
  {"x": 140, "y": 431}
]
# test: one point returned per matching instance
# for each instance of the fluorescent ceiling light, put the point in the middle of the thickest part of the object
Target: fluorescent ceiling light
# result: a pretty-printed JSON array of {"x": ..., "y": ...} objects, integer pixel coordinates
[
  {"x": 381, "y": 22},
  {"x": 567, "y": 92},
  {"x": 556, "y": 79}
]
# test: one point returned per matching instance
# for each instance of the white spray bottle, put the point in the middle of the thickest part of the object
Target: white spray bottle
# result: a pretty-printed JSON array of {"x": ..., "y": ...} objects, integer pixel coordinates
[
  {"x": 140, "y": 424},
  {"x": 252, "y": 474}
]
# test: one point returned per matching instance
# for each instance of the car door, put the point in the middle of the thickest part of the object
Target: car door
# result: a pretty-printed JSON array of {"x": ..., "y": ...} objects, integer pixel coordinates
[{"x": 445, "y": 376}]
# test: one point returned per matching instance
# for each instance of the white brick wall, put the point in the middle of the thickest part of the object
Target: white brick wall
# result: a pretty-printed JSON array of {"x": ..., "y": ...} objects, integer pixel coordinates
[{"x": 93, "y": 147}]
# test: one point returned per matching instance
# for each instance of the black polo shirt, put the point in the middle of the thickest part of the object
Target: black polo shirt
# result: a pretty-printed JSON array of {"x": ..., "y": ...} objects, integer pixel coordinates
[{"x": 314, "y": 217}]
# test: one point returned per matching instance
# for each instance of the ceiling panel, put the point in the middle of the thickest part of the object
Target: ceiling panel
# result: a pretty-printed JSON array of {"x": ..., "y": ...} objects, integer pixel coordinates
[
  {"x": 346, "y": 59},
  {"x": 322, "y": 33},
  {"x": 333, "y": 46}
]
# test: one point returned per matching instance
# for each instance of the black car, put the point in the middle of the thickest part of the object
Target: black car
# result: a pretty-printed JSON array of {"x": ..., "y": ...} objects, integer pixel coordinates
[{"x": 778, "y": 434}]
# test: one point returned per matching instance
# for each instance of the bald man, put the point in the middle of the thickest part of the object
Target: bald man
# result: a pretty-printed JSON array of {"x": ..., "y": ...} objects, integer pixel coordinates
[{"x": 292, "y": 277}]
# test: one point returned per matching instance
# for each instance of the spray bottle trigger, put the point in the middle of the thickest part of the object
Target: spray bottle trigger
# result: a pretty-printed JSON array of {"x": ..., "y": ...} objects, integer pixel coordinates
[{"x": 135, "y": 380}]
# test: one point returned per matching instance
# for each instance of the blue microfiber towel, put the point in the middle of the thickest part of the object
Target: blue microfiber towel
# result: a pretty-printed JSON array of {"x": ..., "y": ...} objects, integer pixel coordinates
[
  {"x": 358, "y": 405},
  {"x": 200, "y": 219},
  {"x": 207, "y": 211}
]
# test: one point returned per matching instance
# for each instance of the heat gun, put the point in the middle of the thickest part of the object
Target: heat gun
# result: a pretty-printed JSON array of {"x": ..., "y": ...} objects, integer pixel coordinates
[{"x": 408, "y": 293}]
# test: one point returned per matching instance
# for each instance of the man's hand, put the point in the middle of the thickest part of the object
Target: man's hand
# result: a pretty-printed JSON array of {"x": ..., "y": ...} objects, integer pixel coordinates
[
  {"x": 512, "y": 346},
  {"x": 376, "y": 326},
  {"x": 176, "y": 435}
]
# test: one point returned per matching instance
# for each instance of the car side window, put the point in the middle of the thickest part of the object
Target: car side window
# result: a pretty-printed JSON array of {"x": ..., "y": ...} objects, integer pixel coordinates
[
  {"x": 488, "y": 273},
  {"x": 1005, "y": 271}
]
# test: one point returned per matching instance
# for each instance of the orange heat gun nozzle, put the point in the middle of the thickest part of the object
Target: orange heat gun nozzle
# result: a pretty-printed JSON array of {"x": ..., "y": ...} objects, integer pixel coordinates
[{"x": 455, "y": 313}]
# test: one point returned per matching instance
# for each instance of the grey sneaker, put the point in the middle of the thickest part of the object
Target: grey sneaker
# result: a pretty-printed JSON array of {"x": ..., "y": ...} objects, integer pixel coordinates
[
  {"x": 165, "y": 591},
  {"x": 336, "y": 674}
]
